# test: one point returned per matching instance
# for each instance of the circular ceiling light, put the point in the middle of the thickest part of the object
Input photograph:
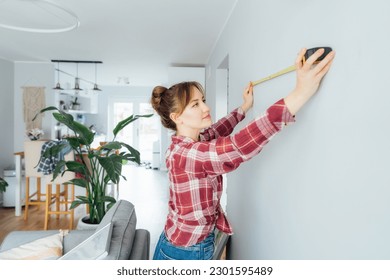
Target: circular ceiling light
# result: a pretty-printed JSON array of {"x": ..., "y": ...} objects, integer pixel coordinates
[{"x": 38, "y": 16}]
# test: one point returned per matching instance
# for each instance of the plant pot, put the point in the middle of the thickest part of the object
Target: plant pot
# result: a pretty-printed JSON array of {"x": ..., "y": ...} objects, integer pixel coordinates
[
  {"x": 84, "y": 224},
  {"x": 76, "y": 107}
]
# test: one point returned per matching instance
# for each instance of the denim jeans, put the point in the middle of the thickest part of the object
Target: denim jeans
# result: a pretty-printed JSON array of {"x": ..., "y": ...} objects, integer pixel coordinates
[{"x": 203, "y": 250}]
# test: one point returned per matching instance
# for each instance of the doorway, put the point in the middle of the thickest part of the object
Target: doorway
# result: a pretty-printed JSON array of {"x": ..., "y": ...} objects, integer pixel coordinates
[
  {"x": 222, "y": 108},
  {"x": 140, "y": 134}
]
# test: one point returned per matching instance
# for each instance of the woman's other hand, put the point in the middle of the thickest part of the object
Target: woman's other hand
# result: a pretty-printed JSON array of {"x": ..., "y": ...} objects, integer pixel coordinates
[
  {"x": 309, "y": 77},
  {"x": 248, "y": 98}
]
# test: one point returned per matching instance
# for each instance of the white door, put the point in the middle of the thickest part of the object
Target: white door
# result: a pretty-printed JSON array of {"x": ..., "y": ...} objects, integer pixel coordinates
[
  {"x": 141, "y": 133},
  {"x": 148, "y": 130}
]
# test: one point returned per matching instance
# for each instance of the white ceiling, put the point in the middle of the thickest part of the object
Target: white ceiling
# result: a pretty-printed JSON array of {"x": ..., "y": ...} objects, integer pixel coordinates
[{"x": 137, "y": 39}]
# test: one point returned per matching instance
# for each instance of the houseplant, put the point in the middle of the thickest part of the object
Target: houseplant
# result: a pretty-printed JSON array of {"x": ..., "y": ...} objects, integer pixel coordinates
[
  {"x": 95, "y": 167},
  {"x": 3, "y": 185}
]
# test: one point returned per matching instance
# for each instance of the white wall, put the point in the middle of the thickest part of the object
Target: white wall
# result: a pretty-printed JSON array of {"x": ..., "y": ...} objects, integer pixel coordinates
[
  {"x": 6, "y": 114},
  {"x": 320, "y": 189}
]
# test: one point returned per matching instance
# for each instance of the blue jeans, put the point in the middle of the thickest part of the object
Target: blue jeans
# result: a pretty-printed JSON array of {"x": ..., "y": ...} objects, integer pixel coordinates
[{"x": 203, "y": 250}]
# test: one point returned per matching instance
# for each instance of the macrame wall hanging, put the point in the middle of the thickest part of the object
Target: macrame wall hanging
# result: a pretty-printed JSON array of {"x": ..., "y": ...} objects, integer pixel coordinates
[{"x": 33, "y": 102}]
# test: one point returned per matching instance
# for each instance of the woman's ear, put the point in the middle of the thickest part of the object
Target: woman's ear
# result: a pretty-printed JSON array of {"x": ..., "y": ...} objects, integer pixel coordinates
[{"x": 175, "y": 117}]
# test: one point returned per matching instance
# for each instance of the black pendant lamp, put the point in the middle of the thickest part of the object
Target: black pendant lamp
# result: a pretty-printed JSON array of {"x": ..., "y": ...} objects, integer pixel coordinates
[
  {"x": 77, "y": 79},
  {"x": 95, "y": 86},
  {"x": 58, "y": 86}
]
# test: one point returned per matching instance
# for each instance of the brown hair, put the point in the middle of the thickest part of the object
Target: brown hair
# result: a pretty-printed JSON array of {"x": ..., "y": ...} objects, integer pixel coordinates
[{"x": 172, "y": 100}]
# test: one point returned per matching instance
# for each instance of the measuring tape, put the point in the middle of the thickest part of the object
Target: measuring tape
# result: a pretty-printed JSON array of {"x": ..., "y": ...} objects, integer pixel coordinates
[{"x": 291, "y": 68}]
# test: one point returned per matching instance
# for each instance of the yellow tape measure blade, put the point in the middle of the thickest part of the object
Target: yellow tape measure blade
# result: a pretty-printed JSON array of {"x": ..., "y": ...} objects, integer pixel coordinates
[{"x": 277, "y": 74}]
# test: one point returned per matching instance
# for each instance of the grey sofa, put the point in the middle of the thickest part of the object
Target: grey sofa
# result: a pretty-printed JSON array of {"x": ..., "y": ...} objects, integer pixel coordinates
[{"x": 127, "y": 242}]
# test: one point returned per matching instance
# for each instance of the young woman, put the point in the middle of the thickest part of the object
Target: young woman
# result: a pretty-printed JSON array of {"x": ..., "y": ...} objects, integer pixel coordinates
[{"x": 201, "y": 152}]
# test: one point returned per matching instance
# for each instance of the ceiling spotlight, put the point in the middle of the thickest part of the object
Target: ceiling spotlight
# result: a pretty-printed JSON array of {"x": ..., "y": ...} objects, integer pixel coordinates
[{"x": 124, "y": 80}]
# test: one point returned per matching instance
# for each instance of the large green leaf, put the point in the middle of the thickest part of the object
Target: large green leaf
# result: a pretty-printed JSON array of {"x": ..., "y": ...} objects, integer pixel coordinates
[
  {"x": 64, "y": 118},
  {"x": 134, "y": 154},
  {"x": 81, "y": 200},
  {"x": 122, "y": 124},
  {"x": 77, "y": 167},
  {"x": 60, "y": 167},
  {"x": 114, "y": 145},
  {"x": 3, "y": 185},
  {"x": 83, "y": 132},
  {"x": 81, "y": 182},
  {"x": 50, "y": 108},
  {"x": 113, "y": 166},
  {"x": 108, "y": 199},
  {"x": 75, "y": 142},
  {"x": 106, "y": 179}
]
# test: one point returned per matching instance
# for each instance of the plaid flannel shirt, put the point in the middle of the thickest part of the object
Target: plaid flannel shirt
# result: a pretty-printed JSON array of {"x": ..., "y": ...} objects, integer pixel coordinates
[
  {"x": 196, "y": 168},
  {"x": 48, "y": 164}
]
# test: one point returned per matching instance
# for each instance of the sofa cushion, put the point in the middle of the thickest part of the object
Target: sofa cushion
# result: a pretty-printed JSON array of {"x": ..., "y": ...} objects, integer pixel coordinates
[
  {"x": 95, "y": 247},
  {"x": 20, "y": 237},
  {"x": 46, "y": 248},
  {"x": 74, "y": 238},
  {"x": 141, "y": 245},
  {"x": 122, "y": 216}
]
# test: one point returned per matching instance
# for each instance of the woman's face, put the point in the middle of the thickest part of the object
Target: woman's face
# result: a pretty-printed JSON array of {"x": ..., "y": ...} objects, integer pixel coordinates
[{"x": 196, "y": 114}]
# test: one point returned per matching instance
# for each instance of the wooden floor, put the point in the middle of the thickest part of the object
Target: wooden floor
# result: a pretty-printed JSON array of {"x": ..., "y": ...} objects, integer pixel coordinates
[
  {"x": 147, "y": 189},
  {"x": 9, "y": 222}
]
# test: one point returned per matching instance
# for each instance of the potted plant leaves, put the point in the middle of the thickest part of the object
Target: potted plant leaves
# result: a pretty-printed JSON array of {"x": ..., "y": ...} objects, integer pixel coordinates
[
  {"x": 97, "y": 168},
  {"x": 3, "y": 185}
]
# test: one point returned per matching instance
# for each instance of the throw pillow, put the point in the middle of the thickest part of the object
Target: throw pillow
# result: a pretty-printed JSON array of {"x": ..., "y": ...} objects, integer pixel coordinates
[{"x": 47, "y": 248}]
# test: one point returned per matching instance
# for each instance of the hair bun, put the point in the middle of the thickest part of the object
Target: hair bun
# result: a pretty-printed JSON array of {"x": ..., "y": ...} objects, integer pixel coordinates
[{"x": 157, "y": 93}]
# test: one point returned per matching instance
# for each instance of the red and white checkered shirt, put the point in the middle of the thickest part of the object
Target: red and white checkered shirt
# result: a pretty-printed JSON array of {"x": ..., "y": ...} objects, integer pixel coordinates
[{"x": 196, "y": 168}]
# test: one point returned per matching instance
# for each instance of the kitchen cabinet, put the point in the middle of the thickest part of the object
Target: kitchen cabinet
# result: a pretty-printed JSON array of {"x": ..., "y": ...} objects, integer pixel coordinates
[{"x": 88, "y": 101}]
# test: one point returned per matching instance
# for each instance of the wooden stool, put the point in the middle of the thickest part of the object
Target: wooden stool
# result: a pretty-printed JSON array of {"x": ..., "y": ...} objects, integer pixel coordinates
[
  {"x": 67, "y": 196},
  {"x": 32, "y": 154},
  {"x": 61, "y": 197}
]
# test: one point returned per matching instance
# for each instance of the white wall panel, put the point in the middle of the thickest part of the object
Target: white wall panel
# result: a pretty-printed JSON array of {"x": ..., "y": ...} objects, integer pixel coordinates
[{"x": 321, "y": 188}]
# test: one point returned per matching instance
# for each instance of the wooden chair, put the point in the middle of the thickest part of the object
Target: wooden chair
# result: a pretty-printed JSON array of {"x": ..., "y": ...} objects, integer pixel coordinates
[
  {"x": 63, "y": 196},
  {"x": 32, "y": 154}
]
